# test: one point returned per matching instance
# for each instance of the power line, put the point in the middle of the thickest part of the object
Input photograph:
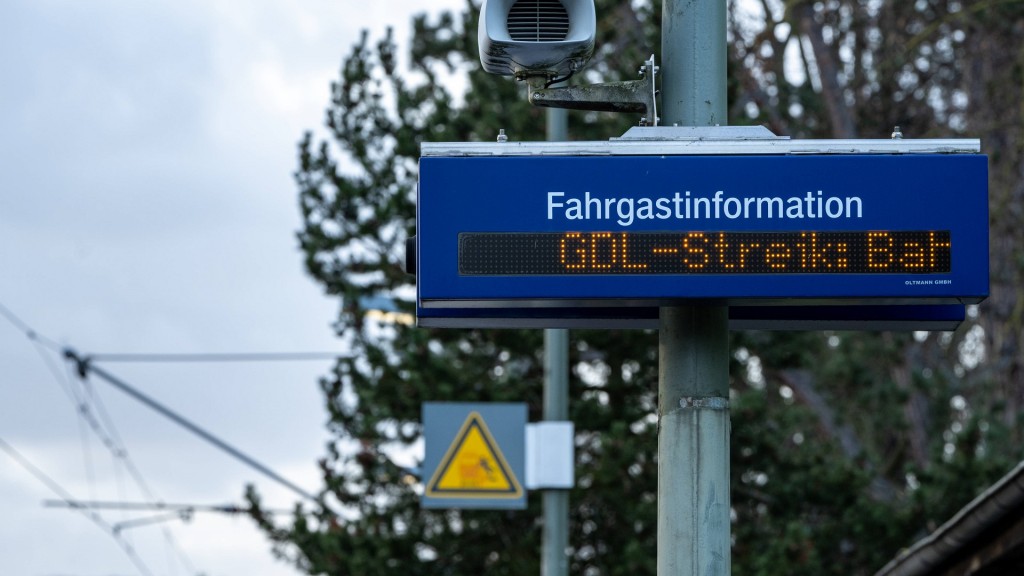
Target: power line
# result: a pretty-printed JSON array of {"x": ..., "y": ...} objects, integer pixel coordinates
[
  {"x": 66, "y": 496},
  {"x": 83, "y": 403},
  {"x": 183, "y": 512},
  {"x": 26, "y": 329},
  {"x": 85, "y": 368},
  {"x": 183, "y": 515},
  {"x": 164, "y": 506},
  {"x": 215, "y": 357},
  {"x": 88, "y": 405}
]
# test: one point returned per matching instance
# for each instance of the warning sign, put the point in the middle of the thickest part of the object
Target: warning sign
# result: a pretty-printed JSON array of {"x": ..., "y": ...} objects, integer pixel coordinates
[
  {"x": 475, "y": 455},
  {"x": 474, "y": 466}
]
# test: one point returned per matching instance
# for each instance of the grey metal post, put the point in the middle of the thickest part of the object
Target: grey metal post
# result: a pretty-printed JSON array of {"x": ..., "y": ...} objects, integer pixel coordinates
[
  {"x": 693, "y": 56},
  {"x": 693, "y": 374},
  {"x": 554, "y": 561},
  {"x": 557, "y": 123}
]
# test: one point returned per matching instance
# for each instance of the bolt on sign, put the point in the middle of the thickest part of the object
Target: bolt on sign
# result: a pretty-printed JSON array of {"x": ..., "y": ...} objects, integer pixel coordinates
[{"x": 475, "y": 455}]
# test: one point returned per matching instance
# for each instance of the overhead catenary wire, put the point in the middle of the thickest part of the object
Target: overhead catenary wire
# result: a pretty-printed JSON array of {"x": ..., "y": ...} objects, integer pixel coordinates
[
  {"x": 111, "y": 439},
  {"x": 84, "y": 404},
  {"x": 166, "y": 506},
  {"x": 66, "y": 496},
  {"x": 214, "y": 357},
  {"x": 88, "y": 406},
  {"x": 85, "y": 367},
  {"x": 27, "y": 330},
  {"x": 183, "y": 515}
]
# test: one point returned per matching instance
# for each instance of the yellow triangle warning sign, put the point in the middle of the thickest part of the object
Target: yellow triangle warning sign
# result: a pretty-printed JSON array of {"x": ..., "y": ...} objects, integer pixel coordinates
[{"x": 473, "y": 466}]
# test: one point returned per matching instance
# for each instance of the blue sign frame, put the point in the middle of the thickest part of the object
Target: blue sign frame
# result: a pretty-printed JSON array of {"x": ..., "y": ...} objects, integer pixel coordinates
[
  {"x": 931, "y": 317},
  {"x": 701, "y": 194}
]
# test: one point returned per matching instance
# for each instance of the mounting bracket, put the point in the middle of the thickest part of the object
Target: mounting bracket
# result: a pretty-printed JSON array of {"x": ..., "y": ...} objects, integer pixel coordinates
[{"x": 638, "y": 96}]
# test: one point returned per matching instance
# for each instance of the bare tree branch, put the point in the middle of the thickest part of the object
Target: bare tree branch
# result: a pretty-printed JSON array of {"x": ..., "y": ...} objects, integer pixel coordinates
[{"x": 840, "y": 115}]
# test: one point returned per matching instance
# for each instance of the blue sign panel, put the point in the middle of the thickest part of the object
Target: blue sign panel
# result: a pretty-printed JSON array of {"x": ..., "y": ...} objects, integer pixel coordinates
[{"x": 578, "y": 231}]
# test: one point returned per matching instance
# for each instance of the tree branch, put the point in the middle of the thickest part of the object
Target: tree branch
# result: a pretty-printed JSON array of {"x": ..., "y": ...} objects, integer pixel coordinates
[
  {"x": 802, "y": 383},
  {"x": 840, "y": 115}
]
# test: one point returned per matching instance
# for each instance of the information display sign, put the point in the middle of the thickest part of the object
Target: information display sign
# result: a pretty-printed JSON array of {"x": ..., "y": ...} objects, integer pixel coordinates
[{"x": 778, "y": 225}]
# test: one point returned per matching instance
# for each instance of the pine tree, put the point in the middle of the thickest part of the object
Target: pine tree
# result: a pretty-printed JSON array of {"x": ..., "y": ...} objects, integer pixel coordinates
[{"x": 845, "y": 445}]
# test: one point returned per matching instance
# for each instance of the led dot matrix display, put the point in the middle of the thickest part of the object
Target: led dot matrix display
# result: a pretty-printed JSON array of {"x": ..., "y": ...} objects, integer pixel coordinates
[{"x": 805, "y": 252}]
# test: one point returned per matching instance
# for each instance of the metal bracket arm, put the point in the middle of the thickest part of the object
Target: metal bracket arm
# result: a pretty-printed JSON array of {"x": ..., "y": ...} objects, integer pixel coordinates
[{"x": 637, "y": 96}]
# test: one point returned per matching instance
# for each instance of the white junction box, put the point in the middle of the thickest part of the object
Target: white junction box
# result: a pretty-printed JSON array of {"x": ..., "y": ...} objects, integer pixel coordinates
[{"x": 550, "y": 455}]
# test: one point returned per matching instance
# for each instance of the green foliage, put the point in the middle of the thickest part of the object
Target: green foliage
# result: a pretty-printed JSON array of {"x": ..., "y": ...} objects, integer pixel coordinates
[{"x": 845, "y": 446}]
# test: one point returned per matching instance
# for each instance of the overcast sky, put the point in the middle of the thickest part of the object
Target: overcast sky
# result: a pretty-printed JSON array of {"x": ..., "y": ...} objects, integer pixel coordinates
[{"x": 147, "y": 205}]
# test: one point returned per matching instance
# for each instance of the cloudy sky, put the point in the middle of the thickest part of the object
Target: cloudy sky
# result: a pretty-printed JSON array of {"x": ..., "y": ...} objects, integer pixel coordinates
[{"x": 147, "y": 206}]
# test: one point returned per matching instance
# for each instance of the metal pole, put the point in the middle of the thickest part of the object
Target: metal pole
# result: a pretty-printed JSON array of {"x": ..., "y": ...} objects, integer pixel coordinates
[
  {"x": 693, "y": 374},
  {"x": 557, "y": 123},
  {"x": 554, "y": 561},
  {"x": 693, "y": 56}
]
